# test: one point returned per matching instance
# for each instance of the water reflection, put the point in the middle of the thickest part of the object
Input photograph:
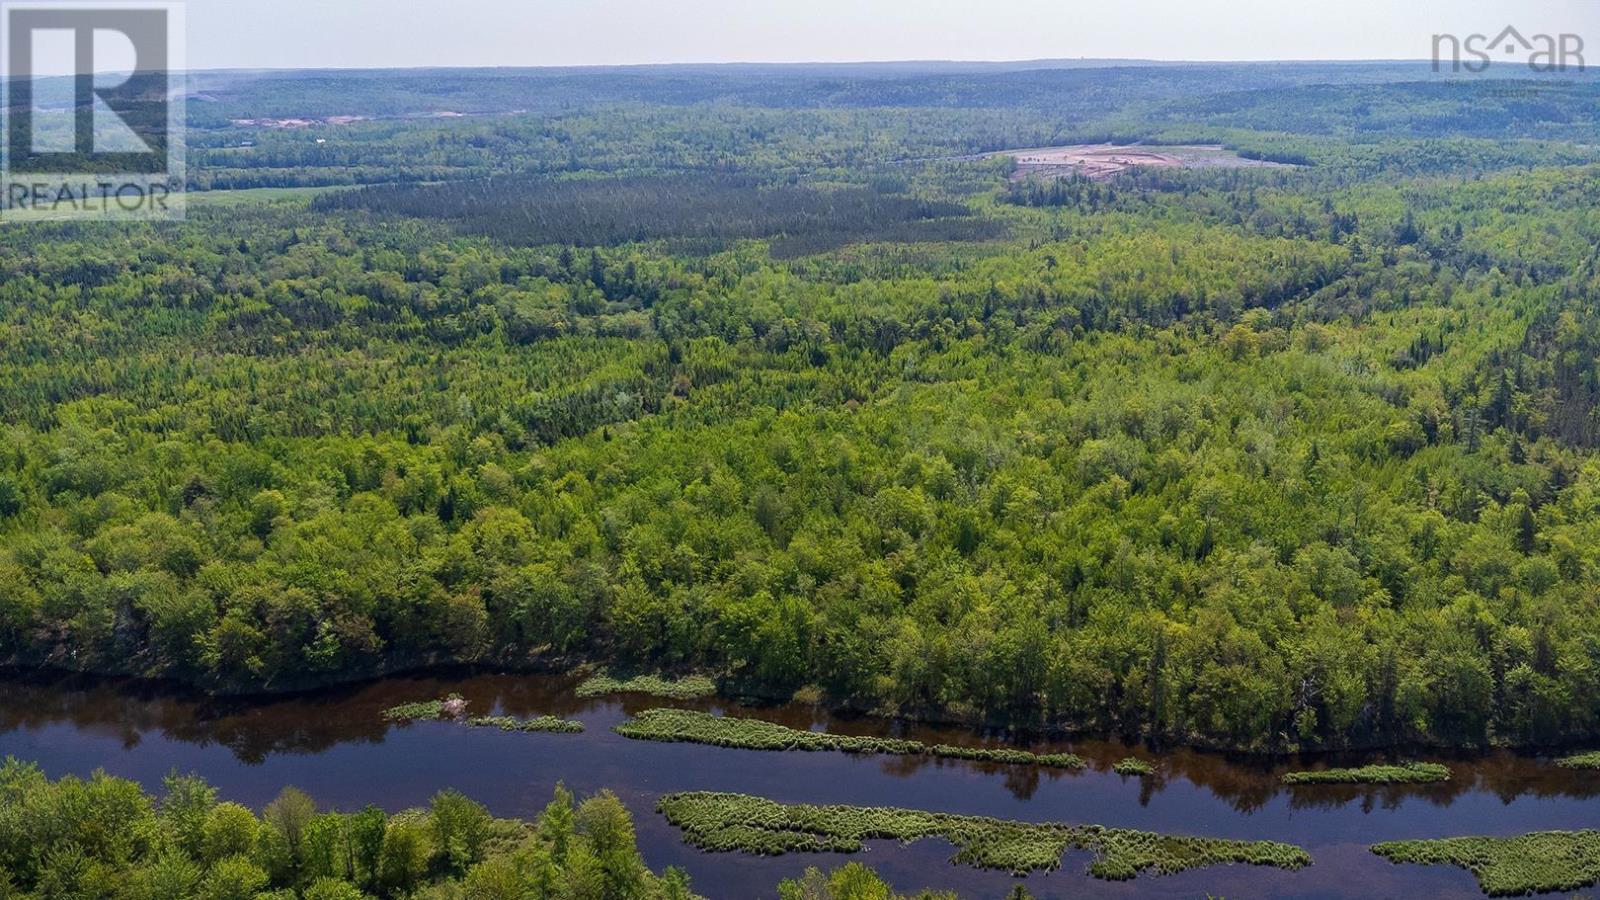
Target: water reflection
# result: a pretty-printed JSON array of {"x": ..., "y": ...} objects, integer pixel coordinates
[
  {"x": 254, "y": 730},
  {"x": 337, "y": 746}
]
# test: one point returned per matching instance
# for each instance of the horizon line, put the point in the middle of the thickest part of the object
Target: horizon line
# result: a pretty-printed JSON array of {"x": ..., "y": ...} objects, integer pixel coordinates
[{"x": 1083, "y": 62}]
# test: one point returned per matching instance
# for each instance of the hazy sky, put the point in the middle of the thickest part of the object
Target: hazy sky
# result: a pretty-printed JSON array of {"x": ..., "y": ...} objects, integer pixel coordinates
[{"x": 366, "y": 33}]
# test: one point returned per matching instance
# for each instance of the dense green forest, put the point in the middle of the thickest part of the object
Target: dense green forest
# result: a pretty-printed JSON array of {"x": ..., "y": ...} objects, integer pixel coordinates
[
  {"x": 104, "y": 837},
  {"x": 764, "y": 382}
]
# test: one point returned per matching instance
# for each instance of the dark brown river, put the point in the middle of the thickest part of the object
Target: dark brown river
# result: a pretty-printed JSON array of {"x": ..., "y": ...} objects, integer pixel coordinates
[{"x": 337, "y": 746}]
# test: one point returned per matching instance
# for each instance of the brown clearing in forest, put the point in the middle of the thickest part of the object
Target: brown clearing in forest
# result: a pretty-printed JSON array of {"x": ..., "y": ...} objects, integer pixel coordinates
[{"x": 1102, "y": 161}]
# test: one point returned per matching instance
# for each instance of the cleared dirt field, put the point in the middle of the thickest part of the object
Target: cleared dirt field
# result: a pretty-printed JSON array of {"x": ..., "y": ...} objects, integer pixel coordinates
[{"x": 1102, "y": 161}]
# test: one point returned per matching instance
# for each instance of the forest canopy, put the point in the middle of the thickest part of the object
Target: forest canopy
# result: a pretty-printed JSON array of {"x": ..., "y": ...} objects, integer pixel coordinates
[
  {"x": 105, "y": 837},
  {"x": 713, "y": 209},
  {"x": 789, "y": 388}
]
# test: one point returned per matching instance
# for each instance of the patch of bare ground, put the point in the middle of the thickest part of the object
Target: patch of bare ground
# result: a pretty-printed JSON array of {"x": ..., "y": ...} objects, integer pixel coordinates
[{"x": 1103, "y": 161}]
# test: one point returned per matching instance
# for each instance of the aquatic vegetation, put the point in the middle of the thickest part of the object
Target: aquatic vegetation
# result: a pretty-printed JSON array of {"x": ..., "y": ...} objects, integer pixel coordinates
[
  {"x": 454, "y": 707},
  {"x": 738, "y": 822},
  {"x": 551, "y": 724},
  {"x": 1409, "y": 773},
  {"x": 689, "y": 687},
  {"x": 1006, "y": 755},
  {"x": 1590, "y": 760},
  {"x": 449, "y": 706},
  {"x": 1132, "y": 765},
  {"x": 1529, "y": 863},
  {"x": 692, "y": 726}
]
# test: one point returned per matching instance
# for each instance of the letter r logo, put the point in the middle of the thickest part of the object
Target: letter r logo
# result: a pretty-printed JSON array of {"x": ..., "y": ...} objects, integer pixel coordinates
[{"x": 139, "y": 103}]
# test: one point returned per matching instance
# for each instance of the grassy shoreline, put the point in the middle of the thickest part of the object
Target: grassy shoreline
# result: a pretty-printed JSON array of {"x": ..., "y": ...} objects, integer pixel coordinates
[
  {"x": 689, "y": 687},
  {"x": 1409, "y": 773},
  {"x": 1539, "y": 862},
  {"x": 737, "y": 822},
  {"x": 1590, "y": 760},
  {"x": 691, "y": 726}
]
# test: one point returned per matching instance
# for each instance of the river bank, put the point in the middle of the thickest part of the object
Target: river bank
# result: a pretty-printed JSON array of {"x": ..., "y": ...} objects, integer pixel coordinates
[
  {"x": 337, "y": 745},
  {"x": 751, "y": 693}
]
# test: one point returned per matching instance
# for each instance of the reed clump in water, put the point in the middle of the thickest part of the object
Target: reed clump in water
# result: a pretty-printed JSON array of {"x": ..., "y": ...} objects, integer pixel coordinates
[
  {"x": 692, "y": 726},
  {"x": 738, "y": 822},
  {"x": 1132, "y": 765},
  {"x": 1409, "y": 773},
  {"x": 1527, "y": 864}
]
